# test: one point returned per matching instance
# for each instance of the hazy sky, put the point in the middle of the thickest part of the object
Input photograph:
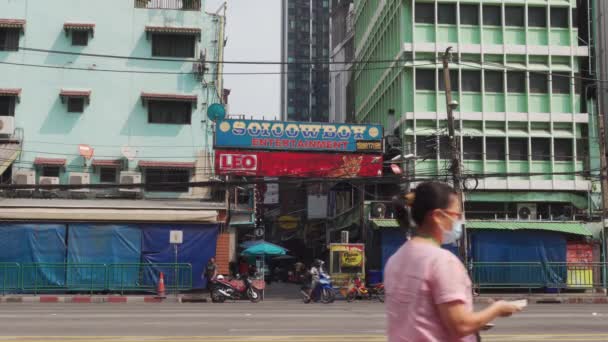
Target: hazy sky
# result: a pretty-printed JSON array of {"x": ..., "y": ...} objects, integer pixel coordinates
[{"x": 254, "y": 34}]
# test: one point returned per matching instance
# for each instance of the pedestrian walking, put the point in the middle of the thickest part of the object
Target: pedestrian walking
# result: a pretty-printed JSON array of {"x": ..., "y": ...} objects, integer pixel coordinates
[
  {"x": 428, "y": 291},
  {"x": 211, "y": 270}
]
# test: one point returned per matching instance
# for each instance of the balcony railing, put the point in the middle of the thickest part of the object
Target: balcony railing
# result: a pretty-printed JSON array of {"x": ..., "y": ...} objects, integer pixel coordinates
[{"x": 183, "y": 5}]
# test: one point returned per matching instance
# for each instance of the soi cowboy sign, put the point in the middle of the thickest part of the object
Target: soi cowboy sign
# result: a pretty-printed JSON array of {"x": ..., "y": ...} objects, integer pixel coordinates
[{"x": 299, "y": 136}]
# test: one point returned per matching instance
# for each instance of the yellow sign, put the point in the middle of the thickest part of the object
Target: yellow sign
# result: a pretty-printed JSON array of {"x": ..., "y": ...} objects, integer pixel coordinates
[
  {"x": 352, "y": 259},
  {"x": 288, "y": 222},
  {"x": 369, "y": 146}
]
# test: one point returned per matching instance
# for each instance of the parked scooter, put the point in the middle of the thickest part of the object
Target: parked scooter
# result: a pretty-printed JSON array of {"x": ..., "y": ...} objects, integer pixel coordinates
[
  {"x": 323, "y": 292},
  {"x": 358, "y": 290},
  {"x": 222, "y": 290}
]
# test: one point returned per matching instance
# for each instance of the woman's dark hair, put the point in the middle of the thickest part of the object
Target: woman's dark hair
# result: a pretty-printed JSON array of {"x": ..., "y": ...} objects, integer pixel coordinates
[{"x": 427, "y": 197}]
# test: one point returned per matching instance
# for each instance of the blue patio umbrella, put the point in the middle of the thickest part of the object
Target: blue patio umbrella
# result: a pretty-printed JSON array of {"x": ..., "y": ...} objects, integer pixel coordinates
[
  {"x": 264, "y": 248},
  {"x": 248, "y": 244}
]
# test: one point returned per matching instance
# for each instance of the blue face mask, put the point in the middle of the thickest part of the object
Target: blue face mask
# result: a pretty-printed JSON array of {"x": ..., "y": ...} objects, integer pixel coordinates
[{"x": 451, "y": 236}]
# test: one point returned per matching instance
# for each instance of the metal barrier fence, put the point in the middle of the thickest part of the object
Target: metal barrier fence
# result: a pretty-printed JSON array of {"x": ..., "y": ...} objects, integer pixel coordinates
[
  {"x": 536, "y": 275},
  {"x": 58, "y": 277}
]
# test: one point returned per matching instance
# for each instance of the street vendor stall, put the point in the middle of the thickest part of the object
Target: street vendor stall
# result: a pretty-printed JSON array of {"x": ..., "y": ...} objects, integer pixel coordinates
[{"x": 346, "y": 260}]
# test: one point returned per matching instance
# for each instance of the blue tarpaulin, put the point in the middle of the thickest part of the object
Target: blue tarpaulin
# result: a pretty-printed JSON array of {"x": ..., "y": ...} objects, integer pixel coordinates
[
  {"x": 518, "y": 247},
  {"x": 103, "y": 244},
  {"x": 391, "y": 241},
  {"x": 198, "y": 247},
  {"x": 33, "y": 243}
]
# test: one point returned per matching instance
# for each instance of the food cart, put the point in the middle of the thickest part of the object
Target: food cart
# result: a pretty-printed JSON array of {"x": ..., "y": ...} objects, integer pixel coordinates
[{"x": 345, "y": 261}]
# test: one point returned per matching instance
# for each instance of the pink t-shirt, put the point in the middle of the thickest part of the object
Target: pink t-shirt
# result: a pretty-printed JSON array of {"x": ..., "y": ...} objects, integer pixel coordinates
[{"x": 418, "y": 277}]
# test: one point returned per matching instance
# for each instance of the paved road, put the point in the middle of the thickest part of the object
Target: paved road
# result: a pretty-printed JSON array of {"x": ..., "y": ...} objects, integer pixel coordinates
[{"x": 266, "y": 322}]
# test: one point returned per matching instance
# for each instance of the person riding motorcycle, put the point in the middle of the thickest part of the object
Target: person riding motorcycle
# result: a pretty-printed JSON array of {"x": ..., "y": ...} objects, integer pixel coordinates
[{"x": 315, "y": 276}]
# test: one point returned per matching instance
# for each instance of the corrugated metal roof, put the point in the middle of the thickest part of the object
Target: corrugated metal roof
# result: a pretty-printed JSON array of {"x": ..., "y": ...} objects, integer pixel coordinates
[
  {"x": 561, "y": 227},
  {"x": 385, "y": 223},
  {"x": 12, "y": 23}
]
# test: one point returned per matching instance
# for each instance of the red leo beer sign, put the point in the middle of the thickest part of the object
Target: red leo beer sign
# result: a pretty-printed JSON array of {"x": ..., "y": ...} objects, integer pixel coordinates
[{"x": 238, "y": 162}]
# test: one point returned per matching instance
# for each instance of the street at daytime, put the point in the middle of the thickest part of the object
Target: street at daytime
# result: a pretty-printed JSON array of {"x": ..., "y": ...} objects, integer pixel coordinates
[{"x": 303, "y": 170}]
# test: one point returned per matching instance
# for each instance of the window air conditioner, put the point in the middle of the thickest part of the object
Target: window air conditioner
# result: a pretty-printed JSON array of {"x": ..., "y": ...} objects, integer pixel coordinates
[
  {"x": 7, "y": 125},
  {"x": 130, "y": 177},
  {"x": 24, "y": 177},
  {"x": 79, "y": 178},
  {"x": 526, "y": 211}
]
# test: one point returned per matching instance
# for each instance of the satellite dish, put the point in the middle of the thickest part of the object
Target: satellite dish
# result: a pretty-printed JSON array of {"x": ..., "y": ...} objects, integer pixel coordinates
[
  {"x": 216, "y": 112},
  {"x": 128, "y": 152}
]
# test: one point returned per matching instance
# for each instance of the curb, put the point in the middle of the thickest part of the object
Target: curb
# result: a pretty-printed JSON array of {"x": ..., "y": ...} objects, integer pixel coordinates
[
  {"x": 89, "y": 299},
  {"x": 546, "y": 300}
]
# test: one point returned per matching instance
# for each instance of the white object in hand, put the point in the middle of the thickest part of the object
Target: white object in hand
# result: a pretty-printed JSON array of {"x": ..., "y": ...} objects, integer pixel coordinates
[{"x": 520, "y": 303}]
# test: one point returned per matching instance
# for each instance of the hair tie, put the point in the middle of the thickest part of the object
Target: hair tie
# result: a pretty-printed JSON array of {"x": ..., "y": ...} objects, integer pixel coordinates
[{"x": 409, "y": 199}]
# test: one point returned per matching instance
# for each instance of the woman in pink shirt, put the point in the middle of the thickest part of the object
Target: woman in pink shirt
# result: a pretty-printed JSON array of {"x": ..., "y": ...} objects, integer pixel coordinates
[{"x": 428, "y": 290}]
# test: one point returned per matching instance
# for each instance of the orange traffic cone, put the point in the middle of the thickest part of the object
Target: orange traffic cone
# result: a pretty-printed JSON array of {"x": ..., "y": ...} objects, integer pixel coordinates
[{"x": 161, "y": 286}]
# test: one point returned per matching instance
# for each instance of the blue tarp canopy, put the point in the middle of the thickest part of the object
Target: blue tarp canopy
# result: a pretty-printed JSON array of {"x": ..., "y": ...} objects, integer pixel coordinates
[
  {"x": 89, "y": 244},
  {"x": 33, "y": 243},
  {"x": 199, "y": 246}
]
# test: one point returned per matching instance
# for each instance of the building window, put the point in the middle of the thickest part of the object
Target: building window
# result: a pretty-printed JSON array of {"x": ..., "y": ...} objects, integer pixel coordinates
[
  {"x": 516, "y": 82},
  {"x": 514, "y": 16},
  {"x": 495, "y": 149},
  {"x": 560, "y": 83},
  {"x": 7, "y": 105},
  {"x": 539, "y": 83},
  {"x": 559, "y": 17},
  {"x": 169, "y": 112},
  {"x": 425, "y": 13},
  {"x": 471, "y": 80},
  {"x": 453, "y": 80},
  {"x": 75, "y": 105},
  {"x": 9, "y": 39},
  {"x": 445, "y": 148},
  {"x": 537, "y": 16},
  {"x": 469, "y": 14},
  {"x": 426, "y": 146},
  {"x": 518, "y": 149},
  {"x": 446, "y": 14},
  {"x": 173, "y": 45},
  {"x": 574, "y": 18},
  {"x": 492, "y": 15},
  {"x": 157, "y": 179},
  {"x": 563, "y": 149},
  {"x": 472, "y": 148},
  {"x": 50, "y": 171},
  {"x": 80, "y": 38},
  {"x": 494, "y": 81},
  {"x": 425, "y": 79},
  {"x": 541, "y": 149},
  {"x": 108, "y": 174}
]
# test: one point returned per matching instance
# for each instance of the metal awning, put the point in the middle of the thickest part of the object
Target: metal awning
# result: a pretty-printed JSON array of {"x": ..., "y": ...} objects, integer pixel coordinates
[
  {"x": 12, "y": 23},
  {"x": 15, "y": 92},
  {"x": 385, "y": 223},
  {"x": 107, "y": 162},
  {"x": 575, "y": 228},
  {"x": 168, "y": 97},
  {"x": 49, "y": 161},
  {"x": 76, "y": 93},
  {"x": 166, "y": 164},
  {"x": 73, "y": 26},
  {"x": 101, "y": 210},
  {"x": 193, "y": 31}
]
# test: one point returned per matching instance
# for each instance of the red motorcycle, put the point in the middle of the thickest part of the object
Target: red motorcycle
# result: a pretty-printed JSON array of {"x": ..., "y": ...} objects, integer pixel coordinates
[
  {"x": 236, "y": 289},
  {"x": 358, "y": 290}
]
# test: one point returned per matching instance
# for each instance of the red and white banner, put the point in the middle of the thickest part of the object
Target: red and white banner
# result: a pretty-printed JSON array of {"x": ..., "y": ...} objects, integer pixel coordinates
[{"x": 297, "y": 164}]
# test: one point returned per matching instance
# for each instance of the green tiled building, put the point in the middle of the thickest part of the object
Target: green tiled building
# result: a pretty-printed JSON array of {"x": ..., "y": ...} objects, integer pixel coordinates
[{"x": 519, "y": 73}]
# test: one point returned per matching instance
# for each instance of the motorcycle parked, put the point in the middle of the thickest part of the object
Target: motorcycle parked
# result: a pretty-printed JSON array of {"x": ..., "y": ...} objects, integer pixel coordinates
[
  {"x": 358, "y": 290},
  {"x": 222, "y": 290},
  {"x": 323, "y": 292}
]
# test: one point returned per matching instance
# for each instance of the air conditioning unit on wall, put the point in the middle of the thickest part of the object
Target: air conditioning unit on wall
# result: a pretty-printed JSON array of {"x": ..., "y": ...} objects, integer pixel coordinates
[
  {"x": 79, "y": 178},
  {"x": 7, "y": 125},
  {"x": 527, "y": 211},
  {"x": 24, "y": 177},
  {"x": 130, "y": 177},
  {"x": 378, "y": 210},
  {"x": 48, "y": 181}
]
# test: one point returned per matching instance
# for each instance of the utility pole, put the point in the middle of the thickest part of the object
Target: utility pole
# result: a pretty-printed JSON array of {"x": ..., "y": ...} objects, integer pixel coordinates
[{"x": 455, "y": 147}]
